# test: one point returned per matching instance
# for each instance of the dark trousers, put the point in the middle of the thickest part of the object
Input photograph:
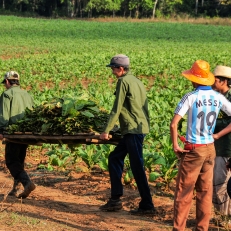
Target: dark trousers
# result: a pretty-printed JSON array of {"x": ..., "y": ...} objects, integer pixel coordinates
[
  {"x": 131, "y": 144},
  {"x": 15, "y": 156}
]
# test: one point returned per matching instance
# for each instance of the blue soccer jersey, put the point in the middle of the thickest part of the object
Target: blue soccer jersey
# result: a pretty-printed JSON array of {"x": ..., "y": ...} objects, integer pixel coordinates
[{"x": 202, "y": 107}]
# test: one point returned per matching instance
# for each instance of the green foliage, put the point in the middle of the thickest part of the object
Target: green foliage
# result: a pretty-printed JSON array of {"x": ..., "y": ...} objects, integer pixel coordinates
[
  {"x": 153, "y": 176},
  {"x": 89, "y": 154},
  {"x": 66, "y": 115},
  {"x": 96, "y": 8},
  {"x": 105, "y": 149},
  {"x": 56, "y": 57},
  {"x": 59, "y": 157},
  {"x": 128, "y": 177}
]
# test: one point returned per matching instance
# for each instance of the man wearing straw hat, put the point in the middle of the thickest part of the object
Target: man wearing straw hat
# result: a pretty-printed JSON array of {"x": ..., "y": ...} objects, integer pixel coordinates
[
  {"x": 221, "y": 200},
  {"x": 197, "y": 157}
]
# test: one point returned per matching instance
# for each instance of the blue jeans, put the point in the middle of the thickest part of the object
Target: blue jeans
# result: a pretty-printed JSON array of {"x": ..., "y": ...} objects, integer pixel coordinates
[{"x": 131, "y": 144}]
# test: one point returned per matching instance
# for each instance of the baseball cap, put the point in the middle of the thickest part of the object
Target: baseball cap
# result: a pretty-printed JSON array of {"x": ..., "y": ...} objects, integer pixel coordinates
[
  {"x": 119, "y": 60},
  {"x": 11, "y": 75}
]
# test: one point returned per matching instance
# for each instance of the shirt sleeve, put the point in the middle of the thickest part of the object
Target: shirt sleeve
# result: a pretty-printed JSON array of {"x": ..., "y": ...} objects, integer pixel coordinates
[
  {"x": 4, "y": 111},
  {"x": 226, "y": 106},
  {"x": 183, "y": 106},
  {"x": 117, "y": 106}
]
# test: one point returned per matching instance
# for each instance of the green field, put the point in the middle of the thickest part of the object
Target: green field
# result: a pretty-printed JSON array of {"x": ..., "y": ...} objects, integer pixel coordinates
[{"x": 55, "y": 57}]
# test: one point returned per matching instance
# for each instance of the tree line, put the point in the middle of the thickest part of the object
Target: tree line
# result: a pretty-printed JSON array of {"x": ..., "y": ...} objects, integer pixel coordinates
[{"x": 117, "y": 8}]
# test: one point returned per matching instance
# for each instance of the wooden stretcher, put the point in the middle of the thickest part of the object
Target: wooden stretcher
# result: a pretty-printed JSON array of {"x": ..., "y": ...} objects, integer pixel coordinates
[{"x": 79, "y": 138}]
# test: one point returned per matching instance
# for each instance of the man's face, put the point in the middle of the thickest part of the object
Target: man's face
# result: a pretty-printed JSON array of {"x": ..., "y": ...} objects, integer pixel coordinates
[
  {"x": 117, "y": 71},
  {"x": 195, "y": 85},
  {"x": 218, "y": 84},
  {"x": 6, "y": 84}
]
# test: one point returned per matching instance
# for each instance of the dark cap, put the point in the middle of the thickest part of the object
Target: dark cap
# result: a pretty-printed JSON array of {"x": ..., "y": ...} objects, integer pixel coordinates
[
  {"x": 11, "y": 75},
  {"x": 119, "y": 61}
]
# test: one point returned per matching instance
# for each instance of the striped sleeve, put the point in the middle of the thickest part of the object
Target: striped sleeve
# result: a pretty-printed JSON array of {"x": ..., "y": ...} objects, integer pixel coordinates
[{"x": 184, "y": 104}]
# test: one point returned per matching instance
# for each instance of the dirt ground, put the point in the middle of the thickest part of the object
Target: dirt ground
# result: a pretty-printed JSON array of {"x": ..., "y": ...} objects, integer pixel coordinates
[{"x": 70, "y": 201}]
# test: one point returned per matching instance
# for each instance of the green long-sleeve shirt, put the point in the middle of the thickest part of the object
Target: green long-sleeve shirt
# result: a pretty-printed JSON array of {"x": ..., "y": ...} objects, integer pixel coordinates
[
  {"x": 130, "y": 106},
  {"x": 13, "y": 103},
  {"x": 223, "y": 145}
]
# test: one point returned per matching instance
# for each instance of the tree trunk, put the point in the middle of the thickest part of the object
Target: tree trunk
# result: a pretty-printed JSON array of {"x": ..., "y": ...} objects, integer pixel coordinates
[
  {"x": 196, "y": 6},
  {"x": 80, "y": 11},
  {"x": 3, "y": 4},
  {"x": 33, "y": 6},
  {"x": 124, "y": 13},
  {"x": 90, "y": 14},
  {"x": 67, "y": 8},
  {"x": 154, "y": 9},
  {"x": 202, "y": 2},
  {"x": 137, "y": 12},
  {"x": 73, "y": 13},
  {"x": 55, "y": 9}
]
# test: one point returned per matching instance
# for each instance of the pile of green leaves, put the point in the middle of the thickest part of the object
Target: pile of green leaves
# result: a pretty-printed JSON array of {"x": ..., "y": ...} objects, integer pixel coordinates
[{"x": 61, "y": 116}]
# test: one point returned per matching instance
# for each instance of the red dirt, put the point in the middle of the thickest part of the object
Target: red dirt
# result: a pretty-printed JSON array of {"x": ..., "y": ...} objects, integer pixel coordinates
[{"x": 70, "y": 201}]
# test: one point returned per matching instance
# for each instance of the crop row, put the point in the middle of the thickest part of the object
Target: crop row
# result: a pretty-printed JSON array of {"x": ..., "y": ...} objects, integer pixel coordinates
[{"x": 68, "y": 57}]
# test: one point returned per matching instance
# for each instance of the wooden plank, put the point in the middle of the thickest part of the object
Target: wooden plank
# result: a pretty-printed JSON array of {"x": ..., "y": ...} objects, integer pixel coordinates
[
  {"x": 75, "y": 137},
  {"x": 54, "y": 141}
]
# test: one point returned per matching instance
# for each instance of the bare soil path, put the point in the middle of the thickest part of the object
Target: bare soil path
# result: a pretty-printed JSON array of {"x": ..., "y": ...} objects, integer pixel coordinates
[{"x": 71, "y": 201}]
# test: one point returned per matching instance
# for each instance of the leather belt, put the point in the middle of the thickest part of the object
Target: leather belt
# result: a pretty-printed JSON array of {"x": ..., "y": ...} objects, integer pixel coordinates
[{"x": 189, "y": 146}]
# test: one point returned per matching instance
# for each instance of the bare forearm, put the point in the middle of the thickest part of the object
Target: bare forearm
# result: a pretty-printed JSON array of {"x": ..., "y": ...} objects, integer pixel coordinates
[
  {"x": 174, "y": 136},
  {"x": 223, "y": 132}
]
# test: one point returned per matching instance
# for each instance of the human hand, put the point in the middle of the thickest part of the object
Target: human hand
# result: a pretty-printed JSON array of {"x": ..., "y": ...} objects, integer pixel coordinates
[
  {"x": 179, "y": 151},
  {"x": 104, "y": 136},
  {"x": 216, "y": 136}
]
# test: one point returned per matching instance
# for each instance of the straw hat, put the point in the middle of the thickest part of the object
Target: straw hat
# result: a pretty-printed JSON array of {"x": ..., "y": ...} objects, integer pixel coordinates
[
  {"x": 200, "y": 73},
  {"x": 222, "y": 71}
]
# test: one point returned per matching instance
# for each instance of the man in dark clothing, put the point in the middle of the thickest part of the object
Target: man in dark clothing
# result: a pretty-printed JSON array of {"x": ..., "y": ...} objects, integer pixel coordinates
[
  {"x": 131, "y": 108},
  {"x": 221, "y": 200},
  {"x": 13, "y": 103}
]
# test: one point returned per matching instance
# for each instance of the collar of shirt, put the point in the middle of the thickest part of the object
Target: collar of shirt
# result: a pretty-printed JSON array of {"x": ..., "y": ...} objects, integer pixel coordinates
[{"x": 204, "y": 88}]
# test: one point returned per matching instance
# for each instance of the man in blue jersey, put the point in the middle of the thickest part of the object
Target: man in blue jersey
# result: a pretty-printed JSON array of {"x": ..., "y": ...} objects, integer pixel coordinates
[{"x": 197, "y": 157}]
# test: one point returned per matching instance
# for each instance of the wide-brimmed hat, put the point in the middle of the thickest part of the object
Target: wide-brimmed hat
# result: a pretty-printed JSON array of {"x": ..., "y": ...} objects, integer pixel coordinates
[
  {"x": 119, "y": 60},
  {"x": 11, "y": 75},
  {"x": 200, "y": 73},
  {"x": 222, "y": 71}
]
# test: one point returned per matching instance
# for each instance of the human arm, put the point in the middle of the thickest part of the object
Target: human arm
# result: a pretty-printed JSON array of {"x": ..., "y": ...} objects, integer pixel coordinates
[
  {"x": 223, "y": 132},
  {"x": 174, "y": 135},
  {"x": 116, "y": 109},
  {"x": 225, "y": 108},
  {"x": 4, "y": 112}
]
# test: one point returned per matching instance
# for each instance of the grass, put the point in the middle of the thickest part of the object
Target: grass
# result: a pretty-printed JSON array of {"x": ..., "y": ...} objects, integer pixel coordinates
[{"x": 19, "y": 221}]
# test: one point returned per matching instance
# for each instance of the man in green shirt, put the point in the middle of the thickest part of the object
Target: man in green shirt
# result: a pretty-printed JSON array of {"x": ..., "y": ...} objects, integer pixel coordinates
[
  {"x": 13, "y": 103},
  {"x": 131, "y": 108},
  {"x": 221, "y": 200}
]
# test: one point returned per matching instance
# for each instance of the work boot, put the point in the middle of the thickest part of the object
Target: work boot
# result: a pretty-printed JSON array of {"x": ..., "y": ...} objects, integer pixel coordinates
[
  {"x": 140, "y": 211},
  {"x": 28, "y": 185},
  {"x": 112, "y": 205},
  {"x": 15, "y": 188}
]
